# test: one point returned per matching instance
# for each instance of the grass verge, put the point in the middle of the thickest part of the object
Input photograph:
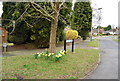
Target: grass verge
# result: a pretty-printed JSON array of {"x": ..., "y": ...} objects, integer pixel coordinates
[
  {"x": 93, "y": 43},
  {"x": 72, "y": 66},
  {"x": 116, "y": 40}
]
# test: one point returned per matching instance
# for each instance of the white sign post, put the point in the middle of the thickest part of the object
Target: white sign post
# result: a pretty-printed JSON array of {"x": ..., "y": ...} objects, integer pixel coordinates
[{"x": 65, "y": 41}]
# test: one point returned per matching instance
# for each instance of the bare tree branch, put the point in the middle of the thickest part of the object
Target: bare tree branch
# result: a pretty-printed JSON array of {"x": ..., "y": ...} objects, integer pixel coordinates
[
  {"x": 41, "y": 10},
  {"x": 63, "y": 6},
  {"x": 38, "y": 17},
  {"x": 52, "y": 5},
  {"x": 23, "y": 13},
  {"x": 28, "y": 23}
]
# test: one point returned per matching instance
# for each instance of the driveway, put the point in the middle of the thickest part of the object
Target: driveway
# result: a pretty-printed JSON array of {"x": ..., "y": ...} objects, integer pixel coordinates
[{"x": 108, "y": 68}]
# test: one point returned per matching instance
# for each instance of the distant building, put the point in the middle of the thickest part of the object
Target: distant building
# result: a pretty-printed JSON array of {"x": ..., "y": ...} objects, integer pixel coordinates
[
  {"x": 102, "y": 31},
  {"x": 112, "y": 31},
  {"x": 95, "y": 31}
]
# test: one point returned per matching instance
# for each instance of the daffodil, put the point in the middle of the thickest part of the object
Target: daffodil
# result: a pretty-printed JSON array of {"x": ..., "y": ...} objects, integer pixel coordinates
[
  {"x": 48, "y": 55},
  {"x": 38, "y": 53},
  {"x": 52, "y": 53},
  {"x": 59, "y": 54}
]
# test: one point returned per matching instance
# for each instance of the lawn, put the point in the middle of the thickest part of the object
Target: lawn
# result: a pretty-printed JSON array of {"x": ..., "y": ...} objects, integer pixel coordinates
[
  {"x": 93, "y": 43},
  {"x": 72, "y": 66}
]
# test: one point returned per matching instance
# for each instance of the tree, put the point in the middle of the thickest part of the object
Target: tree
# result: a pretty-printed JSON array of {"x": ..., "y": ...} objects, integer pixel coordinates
[
  {"x": 108, "y": 28},
  {"x": 49, "y": 12},
  {"x": 99, "y": 27},
  {"x": 82, "y": 19},
  {"x": 53, "y": 17}
]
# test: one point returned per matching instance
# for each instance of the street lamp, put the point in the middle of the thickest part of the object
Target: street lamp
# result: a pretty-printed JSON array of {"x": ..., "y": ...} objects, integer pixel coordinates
[
  {"x": 94, "y": 15},
  {"x": 99, "y": 19}
]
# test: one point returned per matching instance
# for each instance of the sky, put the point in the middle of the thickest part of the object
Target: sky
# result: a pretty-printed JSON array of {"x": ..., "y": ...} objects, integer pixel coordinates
[
  {"x": 1, "y": 9},
  {"x": 109, "y": 11}
]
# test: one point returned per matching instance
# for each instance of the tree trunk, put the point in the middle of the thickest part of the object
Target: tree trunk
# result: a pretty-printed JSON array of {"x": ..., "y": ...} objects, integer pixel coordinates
[
  {"x": 54, "y": 24},
  {"x": 52, "y": 42}
]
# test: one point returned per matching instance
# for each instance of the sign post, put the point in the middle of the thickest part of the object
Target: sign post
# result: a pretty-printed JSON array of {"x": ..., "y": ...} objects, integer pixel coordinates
[
  {"x": 65, "y": 44},
  {"x": 65, "y": 41},
  {"x": 4, "y": 47},
  {"x": 73, "y": 45}
]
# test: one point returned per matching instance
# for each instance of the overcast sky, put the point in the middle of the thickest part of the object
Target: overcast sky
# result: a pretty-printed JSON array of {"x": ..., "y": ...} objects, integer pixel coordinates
[{"x": 109, "y": 11}]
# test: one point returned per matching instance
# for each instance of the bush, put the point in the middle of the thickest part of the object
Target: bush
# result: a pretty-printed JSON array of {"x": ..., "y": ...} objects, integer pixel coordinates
[
  {"x": 62, "y": 36},
  {"x": 79, "y": 37},
  {"x": 71, "y": 34},
  {"x": 106, "y": 34},
  {"x": 100, "y": 34},
  {"x": 84, "y": 34},
  {"x": 30, "y": 46},
  {"x": 16, "y": 39}
]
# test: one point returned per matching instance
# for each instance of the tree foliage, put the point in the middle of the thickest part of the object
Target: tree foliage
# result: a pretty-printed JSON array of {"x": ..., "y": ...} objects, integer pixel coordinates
[
  {"x": 13, "y": 11},
  {"x": 82, "y": 18},
  {"x": 108, "y": 28}
]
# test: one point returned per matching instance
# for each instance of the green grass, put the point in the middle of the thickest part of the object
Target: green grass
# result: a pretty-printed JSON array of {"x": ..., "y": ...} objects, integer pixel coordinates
[
  {"x": 93, "y": 43},
  {"x": 116, "y": 40},
  {"x": 72, "y": 66}
]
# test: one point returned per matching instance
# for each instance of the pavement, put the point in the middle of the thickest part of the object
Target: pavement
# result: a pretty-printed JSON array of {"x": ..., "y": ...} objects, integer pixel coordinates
[
  {"x": 15, "y": 52},
  {"x": 108, "y": 68}
]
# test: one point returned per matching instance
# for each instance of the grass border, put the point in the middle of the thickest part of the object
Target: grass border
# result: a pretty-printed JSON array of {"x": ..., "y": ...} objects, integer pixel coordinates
[
  {"x": 93, "y": 43},
  {"x": 92, "y": 68},
  {"x": 96, "y": 65}
]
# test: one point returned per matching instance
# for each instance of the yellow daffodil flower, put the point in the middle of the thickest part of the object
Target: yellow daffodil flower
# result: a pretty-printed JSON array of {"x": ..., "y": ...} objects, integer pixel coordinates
[{"x": 52, "y": 53}]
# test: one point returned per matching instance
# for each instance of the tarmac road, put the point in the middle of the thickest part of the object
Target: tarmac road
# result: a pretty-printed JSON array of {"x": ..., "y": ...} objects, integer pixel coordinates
[{"x": 108, "y": 68}]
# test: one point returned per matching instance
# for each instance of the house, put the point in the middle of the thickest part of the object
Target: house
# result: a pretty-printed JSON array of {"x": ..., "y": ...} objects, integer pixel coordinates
[
  {"x": 98, "y": 31},
  {"x": 112, "y": 31}
]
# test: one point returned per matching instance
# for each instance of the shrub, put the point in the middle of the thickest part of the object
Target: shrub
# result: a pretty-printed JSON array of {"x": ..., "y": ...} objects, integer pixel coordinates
[
  {"x": 71, "y": 34},
  {"x": 106, "y": 34},
  {"x": 79, "y": 37},
  {"x": 84, "y": 34},
  {"x": 62, "y": 36},
  {"x": 30, "y": 46},
  {"x": 100, "y": 34},
  {"x": 16, "y": 39}
]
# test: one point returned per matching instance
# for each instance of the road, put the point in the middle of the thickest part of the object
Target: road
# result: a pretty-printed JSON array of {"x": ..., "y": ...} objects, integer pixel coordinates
[{"x": 108, "y": 67}]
